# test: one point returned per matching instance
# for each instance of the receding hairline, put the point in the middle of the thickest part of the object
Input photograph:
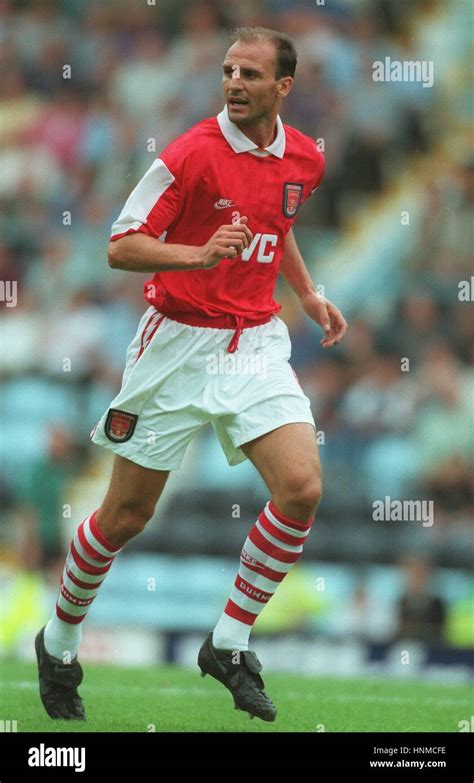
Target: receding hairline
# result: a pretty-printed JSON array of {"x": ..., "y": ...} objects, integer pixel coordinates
[
  {"x": 286, "y": 54},
  {"x": 255, "y": 42}
]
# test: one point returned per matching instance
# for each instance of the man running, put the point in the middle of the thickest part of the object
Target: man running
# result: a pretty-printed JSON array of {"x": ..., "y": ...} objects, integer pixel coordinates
[{"x": 211, "y": 221}]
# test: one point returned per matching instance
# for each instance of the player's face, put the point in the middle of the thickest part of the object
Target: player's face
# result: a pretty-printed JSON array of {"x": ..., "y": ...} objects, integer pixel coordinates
[{"x": 251, "y": 88}]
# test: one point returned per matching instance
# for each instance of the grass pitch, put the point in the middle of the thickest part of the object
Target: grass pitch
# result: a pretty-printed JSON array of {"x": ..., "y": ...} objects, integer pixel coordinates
[{"x": 171, "y": 698}]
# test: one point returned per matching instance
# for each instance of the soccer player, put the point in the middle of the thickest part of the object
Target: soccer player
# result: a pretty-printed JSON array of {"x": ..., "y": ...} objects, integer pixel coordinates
[{"x": 211, "y": 221}]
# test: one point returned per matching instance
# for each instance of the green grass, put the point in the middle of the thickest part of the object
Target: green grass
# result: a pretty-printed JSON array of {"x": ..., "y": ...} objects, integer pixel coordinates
[{"x": 179, "y": 700}]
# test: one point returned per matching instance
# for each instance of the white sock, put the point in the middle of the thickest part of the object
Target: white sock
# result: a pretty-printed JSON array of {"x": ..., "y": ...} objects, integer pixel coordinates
[
  {"x": 273, "y": 545},
  {"x": 230, "y": 634},
  {"x": 88, "y": 561},
  {"x": 62, "y": 639}
]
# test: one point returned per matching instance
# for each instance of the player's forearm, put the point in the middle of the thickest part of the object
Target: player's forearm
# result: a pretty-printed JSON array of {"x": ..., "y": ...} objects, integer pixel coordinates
[
  {"x": 141, "y": 253},
  {"x": 293, "y": 268}
]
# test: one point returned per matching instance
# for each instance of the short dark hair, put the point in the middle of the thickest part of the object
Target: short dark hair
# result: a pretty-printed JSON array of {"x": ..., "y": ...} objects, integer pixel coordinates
[{"x": 287, "y": 56}]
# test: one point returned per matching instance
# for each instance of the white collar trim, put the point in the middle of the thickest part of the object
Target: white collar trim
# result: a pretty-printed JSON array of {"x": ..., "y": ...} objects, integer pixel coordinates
[{"x": 241, "y": 143}]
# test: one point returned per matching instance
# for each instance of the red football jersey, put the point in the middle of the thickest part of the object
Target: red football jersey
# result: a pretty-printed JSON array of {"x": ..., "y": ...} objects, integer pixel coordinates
[{"x": 210, "y": 176}]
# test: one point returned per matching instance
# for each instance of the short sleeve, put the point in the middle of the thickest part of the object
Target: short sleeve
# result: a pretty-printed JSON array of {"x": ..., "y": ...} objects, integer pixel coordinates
[
  {"x": 320, "y": 168},
  {"x": 153, "y": 204}
]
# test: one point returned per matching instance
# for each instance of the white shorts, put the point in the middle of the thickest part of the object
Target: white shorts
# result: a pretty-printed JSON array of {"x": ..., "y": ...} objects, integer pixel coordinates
[{"x": 179, "y": 378}]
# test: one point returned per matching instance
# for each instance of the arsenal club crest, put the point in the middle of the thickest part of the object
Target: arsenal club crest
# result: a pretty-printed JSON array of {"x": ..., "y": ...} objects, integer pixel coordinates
[
  {"x": 119, "y": 425},
  {"x": 292, "y": 197}
]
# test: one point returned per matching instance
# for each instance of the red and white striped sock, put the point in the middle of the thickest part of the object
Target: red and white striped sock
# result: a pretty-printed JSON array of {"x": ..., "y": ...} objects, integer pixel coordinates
[
  {"x": 88, "y": 561},
  {"x": 273, "y": 545}
]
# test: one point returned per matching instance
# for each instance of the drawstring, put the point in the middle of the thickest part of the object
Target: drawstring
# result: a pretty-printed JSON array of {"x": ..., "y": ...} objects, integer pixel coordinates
[{"x": 239, "y": 328}]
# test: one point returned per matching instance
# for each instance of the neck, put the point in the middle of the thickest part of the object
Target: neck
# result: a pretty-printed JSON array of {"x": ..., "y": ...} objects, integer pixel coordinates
[{"x": 262, "y": 133}]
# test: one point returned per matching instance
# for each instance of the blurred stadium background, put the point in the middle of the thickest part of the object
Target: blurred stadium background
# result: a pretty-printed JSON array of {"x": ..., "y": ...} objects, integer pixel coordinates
[{"x": 387, "y": 235}]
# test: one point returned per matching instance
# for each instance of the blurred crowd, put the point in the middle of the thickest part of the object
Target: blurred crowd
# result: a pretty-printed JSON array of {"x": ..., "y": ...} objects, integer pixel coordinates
[{"x": 89, "y": 95}]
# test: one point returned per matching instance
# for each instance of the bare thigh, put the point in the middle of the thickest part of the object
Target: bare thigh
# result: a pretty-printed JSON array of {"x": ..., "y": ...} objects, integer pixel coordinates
[{"x": 288, "y": 461}]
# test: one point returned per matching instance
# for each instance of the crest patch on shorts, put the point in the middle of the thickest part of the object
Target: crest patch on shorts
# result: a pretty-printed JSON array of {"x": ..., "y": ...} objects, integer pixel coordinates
[
  {"x": 120, "y": 425},
  {"x": 292, "y": 197}
]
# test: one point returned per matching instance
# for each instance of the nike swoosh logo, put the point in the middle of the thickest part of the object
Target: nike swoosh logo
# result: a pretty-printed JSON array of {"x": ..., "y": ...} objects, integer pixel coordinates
[{"x": 226, "y": 205}]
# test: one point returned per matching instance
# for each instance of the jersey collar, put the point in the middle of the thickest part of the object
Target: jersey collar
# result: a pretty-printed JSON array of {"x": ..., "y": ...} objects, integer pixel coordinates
[{"x": 241, "y": 143}]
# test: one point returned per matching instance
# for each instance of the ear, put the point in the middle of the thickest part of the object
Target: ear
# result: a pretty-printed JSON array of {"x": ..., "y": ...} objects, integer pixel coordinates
[{"x": 284, "y": 86}]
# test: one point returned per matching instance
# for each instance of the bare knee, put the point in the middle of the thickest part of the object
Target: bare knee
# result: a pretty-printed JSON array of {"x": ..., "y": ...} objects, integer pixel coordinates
[
  {"x": 133, "y": 516},
  {"x": 300, "y": 495},
  {"x": 123, "y": 520}
]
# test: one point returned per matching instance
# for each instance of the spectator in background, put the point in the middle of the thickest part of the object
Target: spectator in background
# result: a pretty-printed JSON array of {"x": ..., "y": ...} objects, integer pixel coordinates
[
  {"x": 20, "y": 337},
  {"x": 441, "y": 429},
  {"x": 364, "y": 618},
  {"x": 73, "y": 338},
  {"x": 442, "y": 255},
  {"x": 59, "y": 128},
  {"x": 451, "y": 486},
  {"x": 35, "y": 26},
  {"x": 195, "y": 58},
  {"x": 421, "y": 613},
  {"x": 19, "y": 107},
  {"x": 416, "y": 323},
  {"x": 147, "y": 65},
  {"x": 383, "y": 400},
  {"x": 44, "y": 493}
]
